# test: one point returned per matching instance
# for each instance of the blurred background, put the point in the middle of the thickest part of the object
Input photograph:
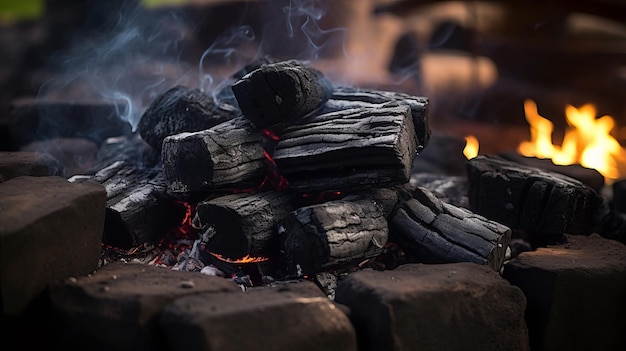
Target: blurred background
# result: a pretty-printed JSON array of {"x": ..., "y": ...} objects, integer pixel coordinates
[{"x": 477, "y": 61}]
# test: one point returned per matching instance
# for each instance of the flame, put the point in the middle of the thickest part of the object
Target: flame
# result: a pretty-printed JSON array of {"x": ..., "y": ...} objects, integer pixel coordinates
[
  {"x": 587, "y": 140},
  {"x": 246, "y": 259},
  {"x": 471, "y": 147}
]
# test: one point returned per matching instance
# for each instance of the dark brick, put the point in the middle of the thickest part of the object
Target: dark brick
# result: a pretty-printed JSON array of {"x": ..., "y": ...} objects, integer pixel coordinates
[
  {"x": 456, "y": 306},
  {"x": 50, "y": 229},
  {"x": 576, "y": 294},
  {"x": 118, "y": 307},
  {"x": 296, "y": 316},
  {"x": 25, "y": 163}
]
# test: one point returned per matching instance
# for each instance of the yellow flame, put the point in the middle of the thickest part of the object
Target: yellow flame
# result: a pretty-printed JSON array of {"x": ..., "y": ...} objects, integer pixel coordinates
[
  {"x": 587, "y": 140},
  {"x": 471, "y": 147}
]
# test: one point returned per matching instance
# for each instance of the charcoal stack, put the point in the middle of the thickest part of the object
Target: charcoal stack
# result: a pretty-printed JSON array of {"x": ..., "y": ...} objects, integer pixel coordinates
[{"x": 307, "y": 175}]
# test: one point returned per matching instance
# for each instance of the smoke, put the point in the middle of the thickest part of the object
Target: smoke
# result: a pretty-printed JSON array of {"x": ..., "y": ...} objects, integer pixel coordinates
[
  {"x": 129, "y": 54},
  {"x": 123, "y": 54}
]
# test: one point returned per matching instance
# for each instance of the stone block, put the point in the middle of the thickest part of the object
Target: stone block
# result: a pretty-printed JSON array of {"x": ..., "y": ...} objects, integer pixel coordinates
[
  {"x": 576, "y": 293},
  {"x": 25, "y": 163},
  {"x": 296, "y": 316},
  {"x": 118, "y": 307},
  {"x": 50, "y": 229},
  {"x": 455, "y": 306}
]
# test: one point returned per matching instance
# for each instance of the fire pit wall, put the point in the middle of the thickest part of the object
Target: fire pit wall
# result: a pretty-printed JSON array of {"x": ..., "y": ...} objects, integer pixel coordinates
[
  {"x": 429, "y": 289},
  {"x": 537, "y": 300},
  {"x": 492, "y": 253}
]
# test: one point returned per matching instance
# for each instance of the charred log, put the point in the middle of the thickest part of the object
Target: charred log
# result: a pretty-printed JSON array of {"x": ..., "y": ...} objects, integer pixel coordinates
[
  {"x": 331, "y": 235},
  {"x": 181, "y": 109},
  {"x": 437, "y": 232},
  {"x": 348, "y": 97},
  {"x": 225, "y": 94},
  {"x": 240, "y": 225},
  {"x": 349, "y": 149},
  {"x": 137, "y": 209},
  {"x": 588, "y": 176},
  {"x": 545, "y": 204},
  {"x": 281, "y": 92},
  {"x": 227, "y": 156}
]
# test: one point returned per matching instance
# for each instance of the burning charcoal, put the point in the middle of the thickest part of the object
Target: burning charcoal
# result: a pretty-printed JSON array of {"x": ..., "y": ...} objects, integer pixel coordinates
[
  {"x": 178, "y": 110},
  {"x": 348, "y": 98},
  {"x": 243, "y": 224},
  {"x": 281, "y": 92},
  {"x": 229, "y": 155},
  {"x": 436, "y": 232},
  {"x": 331, "y": 235},
  {"x": 138, "y": 208},
  {"x": 349, "y": 149},
  {"x": 545, "y": 204}
]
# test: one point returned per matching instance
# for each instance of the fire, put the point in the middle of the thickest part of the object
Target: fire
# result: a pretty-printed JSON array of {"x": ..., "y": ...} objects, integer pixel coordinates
[
  {"x": 471, "y": 147},
  {"x": 246, "y": 259},
  {"x": 587, "y": 140}
]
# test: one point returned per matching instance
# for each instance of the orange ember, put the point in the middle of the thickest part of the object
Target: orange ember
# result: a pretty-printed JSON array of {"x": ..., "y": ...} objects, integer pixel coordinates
[
  {"x": 246, "y": 259},
  {"x": 587, "y": 140}
]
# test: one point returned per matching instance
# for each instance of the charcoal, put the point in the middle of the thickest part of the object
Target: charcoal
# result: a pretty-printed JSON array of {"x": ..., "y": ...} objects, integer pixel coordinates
[
  {"x": 225, "y": 157},
  {"x": 138, "y": 209},
  {"x": 434, "y": 231},
  {"x": 181, "y": 109},
  {"x": 243, "y": 224},
  {"x": 349, "y": 149},
  {"x": 331, "y": 235},
  {"x": 281, "y": 93},
  {"x": 350, "y": 97},
  {"x": 543, "y": 203}
]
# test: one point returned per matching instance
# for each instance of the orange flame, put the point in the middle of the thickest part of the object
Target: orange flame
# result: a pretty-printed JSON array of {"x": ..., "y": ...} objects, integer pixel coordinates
[
  {"x": 246, "y": 259},
  {"x": 471, "y": 147},
  {"x": 587, "y": 141}
]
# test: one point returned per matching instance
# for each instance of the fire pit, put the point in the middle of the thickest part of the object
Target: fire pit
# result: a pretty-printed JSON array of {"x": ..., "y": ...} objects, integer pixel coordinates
[{"x": 278, "y": 190}]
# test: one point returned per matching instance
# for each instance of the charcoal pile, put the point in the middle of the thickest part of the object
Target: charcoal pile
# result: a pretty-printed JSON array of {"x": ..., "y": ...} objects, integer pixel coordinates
[{"x": 305, "y": 178}]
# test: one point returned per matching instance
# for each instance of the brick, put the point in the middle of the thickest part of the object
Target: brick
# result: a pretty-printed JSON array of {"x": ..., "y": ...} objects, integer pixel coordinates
[
  {"x": 455, "y": 306},
  {"x": 24, "y": 163},
  {"x": 118, "y": 307},
  {"x": 50, "y": 229},
  {"x": 575, "y": 292},
  {"x": 295, "y": 316}
]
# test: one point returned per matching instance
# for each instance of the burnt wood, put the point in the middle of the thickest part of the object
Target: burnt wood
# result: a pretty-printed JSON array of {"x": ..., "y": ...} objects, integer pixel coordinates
[
  {"x": 138, "y": 209},
  {"x": 350, "y": 97},
  {"x": 227, "y": 156},
  {"x": 545, "y": 204},
  {"x": 282, "y": 92},
  {"x": 243, "y": 224},
  {"x": 181, "y": 109},
  {"x": 348, "y": 149},
  {"x": 437, "y": 232},
  {"x": 588, "y": 176},
  {"x": 331, "y": 235},
  {"x": 225, "y": 93}
]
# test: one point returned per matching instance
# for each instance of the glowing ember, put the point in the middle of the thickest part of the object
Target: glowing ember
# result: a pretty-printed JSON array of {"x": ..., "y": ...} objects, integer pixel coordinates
[
  {"x": 471, "y": 147},
  {"x": 246, "y": 259},
  {"x": 587, "y": 141}
]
